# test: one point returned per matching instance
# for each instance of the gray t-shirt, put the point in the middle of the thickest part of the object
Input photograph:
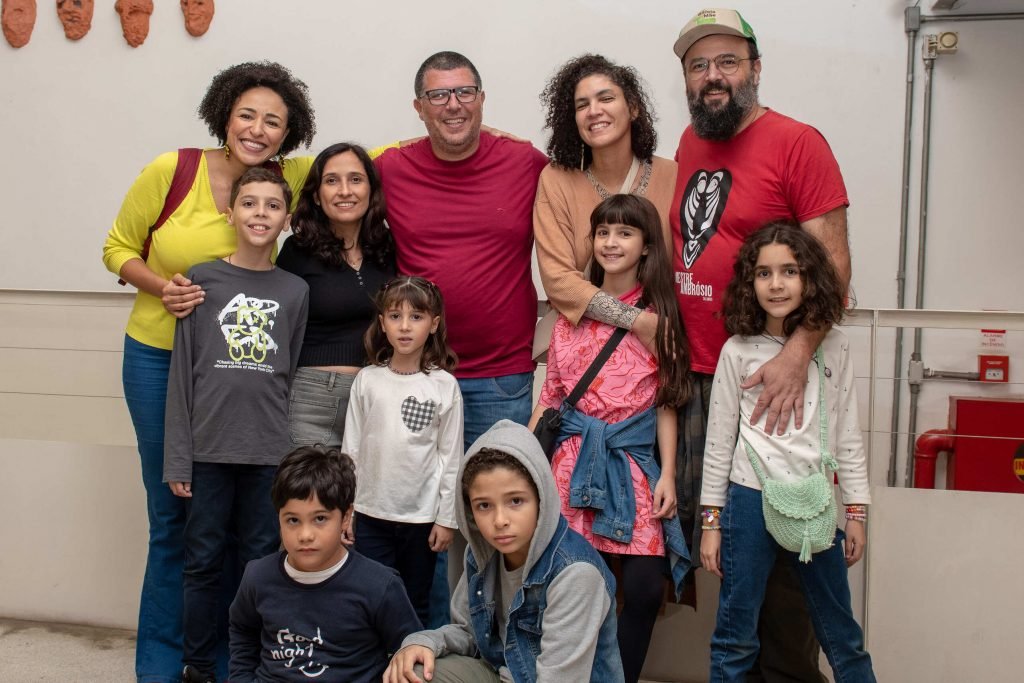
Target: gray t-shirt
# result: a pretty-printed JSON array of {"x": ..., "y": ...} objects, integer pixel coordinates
[
  {"x": 511, "y": 580},
  {"x": 231, "y": 368}
]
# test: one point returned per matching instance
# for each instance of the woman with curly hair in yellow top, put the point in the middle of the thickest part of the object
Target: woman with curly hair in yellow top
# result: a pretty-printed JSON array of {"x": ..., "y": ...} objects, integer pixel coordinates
[{"x": 171, "y": 219}]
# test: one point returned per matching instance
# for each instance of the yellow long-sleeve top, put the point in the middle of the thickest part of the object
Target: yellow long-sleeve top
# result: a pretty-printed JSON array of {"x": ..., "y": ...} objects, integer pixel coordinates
[{"x": 195, "y": 233}]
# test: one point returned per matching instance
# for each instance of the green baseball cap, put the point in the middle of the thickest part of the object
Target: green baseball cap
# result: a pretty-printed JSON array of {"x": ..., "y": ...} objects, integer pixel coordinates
[{"x": 710, "y": 22}]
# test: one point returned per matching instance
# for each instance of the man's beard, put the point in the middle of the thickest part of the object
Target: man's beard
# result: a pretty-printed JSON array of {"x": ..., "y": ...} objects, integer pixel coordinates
[{"x": 721, "y": 122}]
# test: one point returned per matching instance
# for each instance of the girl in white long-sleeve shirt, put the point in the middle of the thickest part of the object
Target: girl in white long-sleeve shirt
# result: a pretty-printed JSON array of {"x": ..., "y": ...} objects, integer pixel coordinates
[
  {"x": 404, "y": 433},
  {"x": 783, "y": 279}
]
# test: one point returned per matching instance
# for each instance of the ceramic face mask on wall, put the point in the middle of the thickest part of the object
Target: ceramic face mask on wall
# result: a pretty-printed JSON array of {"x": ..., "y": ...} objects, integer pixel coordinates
[
  {"x": 76, "y": 15},
  {"x": 18, "y": 18},
  {"x": 198, "y": 15},
  {"x": 134, "y": 19}
]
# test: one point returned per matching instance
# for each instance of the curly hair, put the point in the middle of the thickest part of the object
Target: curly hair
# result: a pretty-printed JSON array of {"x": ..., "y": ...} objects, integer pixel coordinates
[
  {"x": 258, "y": 174},
  {"x": 421, "y": 295},
  {"x": 487, "y": 459},
  {"x": 309, "y": 470},
  {"x": 313, "y": 231},
  {"x": 655, "y": 276},
  {"x": 228, "y": 85},
  {"x": 559, "y": 97},
  {"x": 823, "y": 296}
]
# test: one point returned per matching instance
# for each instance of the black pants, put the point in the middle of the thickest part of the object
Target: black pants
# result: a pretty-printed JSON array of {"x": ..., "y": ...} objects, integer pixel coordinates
[
  {"x": 229, "y": 511},
  {"x": 642, "y": 584},
  {"x": 405, "y": 547}
]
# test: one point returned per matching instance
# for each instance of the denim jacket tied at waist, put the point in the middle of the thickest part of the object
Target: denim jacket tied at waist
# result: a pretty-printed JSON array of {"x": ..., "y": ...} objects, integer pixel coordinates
[{"x": 601, "y": 479}]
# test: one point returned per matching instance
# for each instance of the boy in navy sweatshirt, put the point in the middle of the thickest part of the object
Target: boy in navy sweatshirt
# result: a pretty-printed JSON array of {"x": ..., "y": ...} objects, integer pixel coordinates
[{"x": 317, "y": 610}]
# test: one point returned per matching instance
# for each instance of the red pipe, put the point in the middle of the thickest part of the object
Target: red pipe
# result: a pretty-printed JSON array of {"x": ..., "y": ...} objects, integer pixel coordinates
[{"x": 926, "y": 452}]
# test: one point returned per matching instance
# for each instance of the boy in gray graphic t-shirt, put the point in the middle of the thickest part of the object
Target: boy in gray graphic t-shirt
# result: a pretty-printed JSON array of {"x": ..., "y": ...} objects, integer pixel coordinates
[{"x": 227, "y": 405}]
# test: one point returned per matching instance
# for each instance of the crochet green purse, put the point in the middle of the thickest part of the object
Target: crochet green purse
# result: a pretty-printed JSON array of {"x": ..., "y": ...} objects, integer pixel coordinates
[{"x": 801, "y": 516}]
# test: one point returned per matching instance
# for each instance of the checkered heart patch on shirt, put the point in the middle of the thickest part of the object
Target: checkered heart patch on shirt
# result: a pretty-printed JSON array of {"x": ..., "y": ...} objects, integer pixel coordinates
[{"x": 417, "y": 415}]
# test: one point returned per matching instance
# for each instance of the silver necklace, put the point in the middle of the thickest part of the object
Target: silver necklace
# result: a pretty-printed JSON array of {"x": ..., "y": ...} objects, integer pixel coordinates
[
  {"x": 400, "y": 372},
  {"x": 641, "y": 189}
]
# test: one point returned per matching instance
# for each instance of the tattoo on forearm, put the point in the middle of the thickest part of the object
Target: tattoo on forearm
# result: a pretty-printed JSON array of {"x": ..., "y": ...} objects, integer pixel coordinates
[{"x": 607, "y": 309}]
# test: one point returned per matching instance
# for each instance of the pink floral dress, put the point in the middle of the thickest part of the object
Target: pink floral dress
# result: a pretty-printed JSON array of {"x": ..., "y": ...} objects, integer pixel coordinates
[{"x": 626, "y": 386}]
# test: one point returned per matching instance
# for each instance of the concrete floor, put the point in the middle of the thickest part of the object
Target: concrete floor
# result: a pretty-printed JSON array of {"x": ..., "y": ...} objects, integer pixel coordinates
[{"x": 34, "y": 651}]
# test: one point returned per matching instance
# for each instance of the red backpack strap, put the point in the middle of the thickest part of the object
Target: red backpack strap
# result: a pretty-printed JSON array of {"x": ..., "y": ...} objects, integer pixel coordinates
[
  {"x": 184, "y": 175},
  {"x": 275, "y": 166},
  {"x": 181, "y": 183}
]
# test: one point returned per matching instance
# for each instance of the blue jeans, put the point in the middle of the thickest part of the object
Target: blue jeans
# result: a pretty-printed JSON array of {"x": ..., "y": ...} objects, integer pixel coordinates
[
  {"x": 748, "y": 554},
  {"x": 158, "y": 649},
  {"x": 485, "y": 400},
  {"x": 223, "y": 496}
]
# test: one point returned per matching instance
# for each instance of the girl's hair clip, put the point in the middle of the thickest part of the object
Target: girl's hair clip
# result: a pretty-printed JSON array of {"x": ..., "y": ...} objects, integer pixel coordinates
[{"x": 409, "y": 280}]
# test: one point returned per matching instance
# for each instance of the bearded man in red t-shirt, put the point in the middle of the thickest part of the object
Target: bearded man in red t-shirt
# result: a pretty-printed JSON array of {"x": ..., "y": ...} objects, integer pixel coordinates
[{"x": 742, "y": 165}]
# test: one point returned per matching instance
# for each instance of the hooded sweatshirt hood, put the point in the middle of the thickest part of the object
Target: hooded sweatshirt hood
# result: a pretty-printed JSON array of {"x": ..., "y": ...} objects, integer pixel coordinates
[{"x": 520, "y": 443}]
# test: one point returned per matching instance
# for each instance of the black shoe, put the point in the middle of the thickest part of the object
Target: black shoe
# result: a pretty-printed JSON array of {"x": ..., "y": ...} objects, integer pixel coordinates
[{"x": 190, "y": 674}]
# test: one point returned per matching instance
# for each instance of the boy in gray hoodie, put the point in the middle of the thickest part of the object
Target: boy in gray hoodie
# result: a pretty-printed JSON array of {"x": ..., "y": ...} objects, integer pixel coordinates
[{"x": 536, "y": 602}]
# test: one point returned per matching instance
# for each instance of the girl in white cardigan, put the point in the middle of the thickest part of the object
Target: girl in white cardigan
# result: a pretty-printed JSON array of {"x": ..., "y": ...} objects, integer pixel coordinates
[{"x": 783, "y": 279}]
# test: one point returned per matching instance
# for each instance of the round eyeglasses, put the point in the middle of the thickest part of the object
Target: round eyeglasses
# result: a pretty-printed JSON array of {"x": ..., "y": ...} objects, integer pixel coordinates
[
  {"x": 726, "y": 64},
  {"x": 440, "y": 96}
]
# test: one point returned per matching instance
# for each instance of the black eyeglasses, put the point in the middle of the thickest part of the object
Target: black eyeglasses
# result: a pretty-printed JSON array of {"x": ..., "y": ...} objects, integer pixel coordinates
[
  {"x": 440, "y": 96},
  {"x": 727, "y": 64}
]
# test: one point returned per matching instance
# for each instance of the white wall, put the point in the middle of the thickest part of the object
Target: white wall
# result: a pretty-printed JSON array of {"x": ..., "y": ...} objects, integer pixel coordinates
[
  {"x": 87, "y": 116},
  {"x": 944, "y": 600},
  {"x": 74, "y": 535},
  {"x": 91, "y": 114},
  {"x": 974, "y": 241}
]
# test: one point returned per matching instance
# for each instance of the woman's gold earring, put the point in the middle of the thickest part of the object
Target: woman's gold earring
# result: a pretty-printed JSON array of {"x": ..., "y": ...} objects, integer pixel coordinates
[
  {"x": 227, "y": 152},
  {"x": 583, "y": 153}
]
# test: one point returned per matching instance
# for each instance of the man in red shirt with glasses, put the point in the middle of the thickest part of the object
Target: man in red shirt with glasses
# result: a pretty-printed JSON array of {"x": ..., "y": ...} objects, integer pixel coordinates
[
  {"x": 460, "y": 207},
  {"x": 742, "y": 165}
]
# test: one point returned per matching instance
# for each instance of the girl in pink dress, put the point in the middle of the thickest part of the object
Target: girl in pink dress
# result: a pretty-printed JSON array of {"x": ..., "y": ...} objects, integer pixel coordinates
[{"x": 612, "y": 488}]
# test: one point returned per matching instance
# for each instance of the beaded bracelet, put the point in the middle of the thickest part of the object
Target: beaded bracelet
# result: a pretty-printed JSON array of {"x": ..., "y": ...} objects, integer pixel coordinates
[
  {"x": 857, "y": 513},
  {"x": 711, "y": 516}
]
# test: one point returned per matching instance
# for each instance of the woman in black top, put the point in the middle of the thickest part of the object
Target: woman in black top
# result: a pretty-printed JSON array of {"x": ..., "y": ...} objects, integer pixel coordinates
[{"x": 343, "y": 249}]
